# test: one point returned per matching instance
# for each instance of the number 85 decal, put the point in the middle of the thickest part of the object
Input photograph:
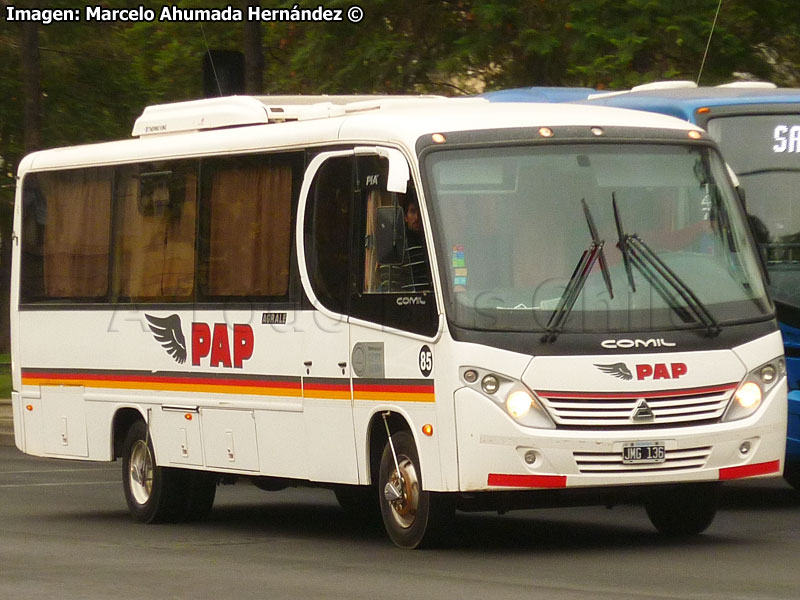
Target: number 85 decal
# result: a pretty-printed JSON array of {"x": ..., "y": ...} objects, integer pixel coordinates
[{"x": 425, "y": 361}]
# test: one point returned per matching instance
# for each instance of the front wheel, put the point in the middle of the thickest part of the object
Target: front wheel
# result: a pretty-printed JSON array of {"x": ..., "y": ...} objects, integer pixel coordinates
[
  {"x": 683, "y": 510},
  {"x": 412, "y": 516}
]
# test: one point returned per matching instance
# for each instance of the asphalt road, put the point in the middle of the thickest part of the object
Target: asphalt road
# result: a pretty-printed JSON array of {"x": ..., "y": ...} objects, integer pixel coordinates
[{"x": 65, "y": 533}]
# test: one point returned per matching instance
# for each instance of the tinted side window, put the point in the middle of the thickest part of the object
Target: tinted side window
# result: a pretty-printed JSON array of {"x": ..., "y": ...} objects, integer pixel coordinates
[
  {"x": 66, "y": 228},
  {"x": 412, "y": 273},
  {"x": 154, "y": 238},
  {"x": 327, "y": 232},
  {"x": 247, "y": 229},
  {"x": 398, "y": 292}
]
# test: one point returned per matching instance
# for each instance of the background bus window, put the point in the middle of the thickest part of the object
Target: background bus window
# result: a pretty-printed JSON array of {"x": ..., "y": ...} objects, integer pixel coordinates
[
  {"x": 66, "y": 222},
  {"x": 248, "y": 231},
  {"x": 155, "y": 235},
  {"x": 327, "y": 232}
]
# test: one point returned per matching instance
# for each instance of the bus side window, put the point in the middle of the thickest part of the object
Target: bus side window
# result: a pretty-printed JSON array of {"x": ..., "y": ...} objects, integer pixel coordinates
[
  {"x": 247, "y": 227},
  {"x": 154, "y": 239},
  {"x": 327, "y": 232},
  {"x": 66, "y": 233},
  {"x": 413, "y": 274},
  {"x": 34, "y": 219},
  {"x": 393, "y": 294}
]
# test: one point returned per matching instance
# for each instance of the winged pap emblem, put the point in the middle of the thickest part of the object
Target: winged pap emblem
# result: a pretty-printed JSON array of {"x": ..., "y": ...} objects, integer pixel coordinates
[
  {"x": 168, "y": 333},
  {"x": 618, "y": 370}
]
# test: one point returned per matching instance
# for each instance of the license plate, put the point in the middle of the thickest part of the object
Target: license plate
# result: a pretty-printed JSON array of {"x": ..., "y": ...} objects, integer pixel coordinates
[{"x": 634, "y": 453}]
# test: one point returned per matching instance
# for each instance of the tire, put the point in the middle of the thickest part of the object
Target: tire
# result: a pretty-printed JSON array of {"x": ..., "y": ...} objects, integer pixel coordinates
[
  {"x": 359, "y": 501},
  {"x": 791, "y": 473},
  {"x": 201, "y": 489},
  {"x": 685, "y": 510},
  {"x": 414, "y": 518},
  {"x": 160, "y": 494}
]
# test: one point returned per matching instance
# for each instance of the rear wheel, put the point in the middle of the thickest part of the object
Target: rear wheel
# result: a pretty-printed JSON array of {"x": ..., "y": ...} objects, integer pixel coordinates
[
  {"x": 160, "y": 494},
  {"x": 683, "y": 510},
  {"x": 412, "y": 516},
  {"x": 201, "y": 488}
]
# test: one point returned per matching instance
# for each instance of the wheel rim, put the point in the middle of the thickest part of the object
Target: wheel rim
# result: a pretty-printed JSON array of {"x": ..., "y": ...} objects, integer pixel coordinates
[
  {"x": 404, "y": 508},
  {"x": 140, "y": 472}
]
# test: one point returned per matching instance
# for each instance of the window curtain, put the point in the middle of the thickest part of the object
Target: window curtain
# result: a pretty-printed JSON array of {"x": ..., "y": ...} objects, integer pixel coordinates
[
  {"x": 76, "y": 233},
  {"x": 250, "y": 232},
  {"x": 156, "y": 251}
]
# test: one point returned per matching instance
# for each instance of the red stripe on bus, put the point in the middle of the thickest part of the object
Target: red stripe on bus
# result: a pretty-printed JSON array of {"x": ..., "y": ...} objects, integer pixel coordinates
[
  {"x": 627, "y": 395},
  {"x": 764, "y": 468},
  {"x": 393, "y": 388},
  {"x": 528, "y": 481},
  {"x": 327, "y": 387}
]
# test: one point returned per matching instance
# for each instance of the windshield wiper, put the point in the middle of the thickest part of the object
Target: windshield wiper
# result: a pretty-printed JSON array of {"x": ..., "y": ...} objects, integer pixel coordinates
[
  {"x": 578, "y": 279},
  {"x": 626, "y": 260},
  {"x": 663, "y": 279}
]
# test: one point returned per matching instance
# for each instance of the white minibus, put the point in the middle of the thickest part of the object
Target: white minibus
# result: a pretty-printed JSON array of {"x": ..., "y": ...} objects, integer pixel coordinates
[{"x": 425, "y": 304}]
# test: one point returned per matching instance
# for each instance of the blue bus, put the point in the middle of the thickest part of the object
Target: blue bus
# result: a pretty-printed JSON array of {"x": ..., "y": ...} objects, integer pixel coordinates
[{"x": 757, "y": 127}]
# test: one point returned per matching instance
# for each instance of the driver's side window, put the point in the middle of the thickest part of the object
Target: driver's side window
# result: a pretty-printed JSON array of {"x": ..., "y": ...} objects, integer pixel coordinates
[
  {"x": 409, "y": 271},
  {"x": 391, "y": 270}
]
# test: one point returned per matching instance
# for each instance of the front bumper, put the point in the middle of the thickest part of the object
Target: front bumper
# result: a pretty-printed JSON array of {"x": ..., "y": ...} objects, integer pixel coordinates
[{"x": 495, "y": 453}]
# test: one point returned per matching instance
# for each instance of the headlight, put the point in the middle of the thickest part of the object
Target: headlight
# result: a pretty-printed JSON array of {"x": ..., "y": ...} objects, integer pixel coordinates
[
  {"x": 748, "y": 396},
  {"x": 518, "y": 403},
  {"x": 754, "y": 388},
  {"x": 511, "y": 395}
]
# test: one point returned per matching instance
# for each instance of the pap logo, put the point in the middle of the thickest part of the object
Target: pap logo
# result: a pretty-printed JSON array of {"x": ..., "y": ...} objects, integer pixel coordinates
[
  {"x": 169, "y": 333},
  {"x": 619, "y": 370},
  {"x": 221, "y": 348},
  {"x": 661, "y": 371},
  {"x": 645, "y": 371},
  {"x": 216, "y": 344}
]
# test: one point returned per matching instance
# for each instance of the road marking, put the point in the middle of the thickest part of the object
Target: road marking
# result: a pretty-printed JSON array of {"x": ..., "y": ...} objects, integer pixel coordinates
[
  {"x": 23, "y": 485},
  {"x": 99, "y": 470}
]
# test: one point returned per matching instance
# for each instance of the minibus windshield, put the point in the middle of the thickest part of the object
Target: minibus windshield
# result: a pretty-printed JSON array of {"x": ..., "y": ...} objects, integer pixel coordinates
[{"x": 511, "y": 230}]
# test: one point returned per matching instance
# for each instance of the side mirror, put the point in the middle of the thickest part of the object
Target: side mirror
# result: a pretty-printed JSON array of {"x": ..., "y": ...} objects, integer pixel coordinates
[{"x": 390, "y": 235}]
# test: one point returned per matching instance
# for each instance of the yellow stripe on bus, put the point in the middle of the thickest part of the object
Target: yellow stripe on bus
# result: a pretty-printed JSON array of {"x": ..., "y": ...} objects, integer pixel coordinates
[
  {"x": 395, "y": 396},
  {"x": 169, "y": 387}
]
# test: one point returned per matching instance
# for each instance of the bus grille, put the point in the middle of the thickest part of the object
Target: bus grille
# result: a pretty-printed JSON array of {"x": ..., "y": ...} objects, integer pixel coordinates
[
  {"x": 609, "y": 463},
  {"x": 669, "y": 408}
]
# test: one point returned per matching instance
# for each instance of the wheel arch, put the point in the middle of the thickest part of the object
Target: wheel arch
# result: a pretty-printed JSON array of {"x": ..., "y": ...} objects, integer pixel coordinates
[
  {"x": 377, "y": 437},
  {"x": 120, "y": 424}
]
